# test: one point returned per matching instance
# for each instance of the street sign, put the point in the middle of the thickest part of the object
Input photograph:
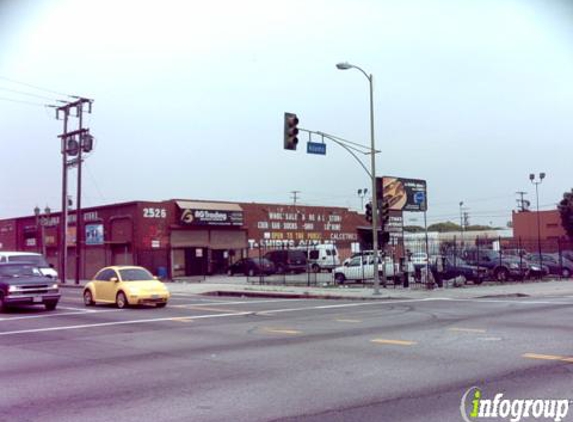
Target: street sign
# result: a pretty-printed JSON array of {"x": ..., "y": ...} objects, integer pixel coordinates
[{"x": 316, "y": 148}]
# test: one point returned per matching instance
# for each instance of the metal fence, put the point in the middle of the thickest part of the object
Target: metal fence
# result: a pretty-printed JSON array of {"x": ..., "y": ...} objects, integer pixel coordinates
[{"x": 421, "y": 263}]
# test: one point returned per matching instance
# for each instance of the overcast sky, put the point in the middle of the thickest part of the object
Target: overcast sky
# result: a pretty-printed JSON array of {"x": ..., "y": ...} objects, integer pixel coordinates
[{"x": 189, "y": 96}]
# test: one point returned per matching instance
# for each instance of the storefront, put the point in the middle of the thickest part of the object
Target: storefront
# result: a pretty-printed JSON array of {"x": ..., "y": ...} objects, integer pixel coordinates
[{"x": 181, "y": 238}]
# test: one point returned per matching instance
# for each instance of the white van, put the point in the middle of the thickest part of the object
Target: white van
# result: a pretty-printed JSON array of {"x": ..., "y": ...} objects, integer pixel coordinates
[
  {"x": 32, "y": 258},
  {"x": 321, "y": 257}
]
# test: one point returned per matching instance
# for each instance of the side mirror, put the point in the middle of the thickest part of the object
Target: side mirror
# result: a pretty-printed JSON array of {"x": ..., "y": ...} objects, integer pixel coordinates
[{"x": 114, "y": 279}]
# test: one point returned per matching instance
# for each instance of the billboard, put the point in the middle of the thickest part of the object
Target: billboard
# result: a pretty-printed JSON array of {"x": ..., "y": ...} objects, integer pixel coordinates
[
  {"x": 403, "y": 194},
  {"x": 94, "y": 234}
]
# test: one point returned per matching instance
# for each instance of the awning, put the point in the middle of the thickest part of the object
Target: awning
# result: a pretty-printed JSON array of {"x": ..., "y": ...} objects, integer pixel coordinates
[{"x": 211, "y": 206}]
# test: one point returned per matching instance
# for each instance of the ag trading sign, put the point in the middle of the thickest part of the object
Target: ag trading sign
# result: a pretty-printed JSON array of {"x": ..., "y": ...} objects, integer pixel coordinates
[{"x": 403, "y": 194}]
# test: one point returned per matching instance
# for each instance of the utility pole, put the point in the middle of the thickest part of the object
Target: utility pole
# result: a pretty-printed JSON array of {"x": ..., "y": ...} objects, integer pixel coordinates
[
  {"x": 295, "y": 196},
  {"x": 73, "y": 143},
  {"x": 521, "y": 201}
]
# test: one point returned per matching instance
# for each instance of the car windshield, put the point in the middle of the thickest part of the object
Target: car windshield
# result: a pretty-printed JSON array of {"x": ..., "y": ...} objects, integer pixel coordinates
[
  {"x": 37, "y": 260},
  {"x": 135, "y": 274},
  {"x": 19, "y": 271}
]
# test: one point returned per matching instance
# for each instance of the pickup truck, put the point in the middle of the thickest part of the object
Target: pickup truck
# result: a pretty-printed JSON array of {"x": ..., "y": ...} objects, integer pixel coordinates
[
  {"x": 24, "y": 284},
  {"x": 361, "y": 268}
]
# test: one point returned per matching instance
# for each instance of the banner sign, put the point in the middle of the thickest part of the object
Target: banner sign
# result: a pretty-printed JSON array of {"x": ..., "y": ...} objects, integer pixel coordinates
[
  {"x": 211, "y": 217},
  {"x": 403, "y": 194}
]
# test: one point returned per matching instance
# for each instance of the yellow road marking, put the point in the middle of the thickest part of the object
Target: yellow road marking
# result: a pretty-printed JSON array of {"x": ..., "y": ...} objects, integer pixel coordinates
[
  {"x": 281, "y": 331},
  {"x": 394, "y": 342},
  {"x": 348, "y": 320},
  {"x": 548, "y": 357},
  {"x": 467, "y": 330}
]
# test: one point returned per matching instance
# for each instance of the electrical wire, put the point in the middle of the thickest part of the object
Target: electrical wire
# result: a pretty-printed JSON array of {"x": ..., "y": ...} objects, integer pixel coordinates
[
  {"x": 35, "y": 87},
  {"x": 29, "y": 94},
  {"x": 24, "y": 102}
]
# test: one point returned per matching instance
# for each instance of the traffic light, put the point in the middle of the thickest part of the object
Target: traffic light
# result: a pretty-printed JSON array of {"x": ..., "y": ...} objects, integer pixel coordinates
[
  {"x": 291, "y": 130},
  {"x": 384, "y": 214},
  {"x": 368, "y": 213}
]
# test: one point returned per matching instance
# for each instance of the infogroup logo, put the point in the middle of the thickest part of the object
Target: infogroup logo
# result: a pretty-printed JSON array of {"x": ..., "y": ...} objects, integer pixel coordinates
[{"x": 474, "y": 406}]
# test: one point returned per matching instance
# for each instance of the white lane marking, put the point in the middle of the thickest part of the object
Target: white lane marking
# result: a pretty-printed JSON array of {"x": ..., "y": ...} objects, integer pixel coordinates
[
  {"x": 111, "y": 324},
  {"x": 518, "y": 301},
  {"x": 343, "y": 305},
  {"x": 46, "y": 315},
  {"x": 267, "y": 312},
  {"x": 241, "y": 302}
]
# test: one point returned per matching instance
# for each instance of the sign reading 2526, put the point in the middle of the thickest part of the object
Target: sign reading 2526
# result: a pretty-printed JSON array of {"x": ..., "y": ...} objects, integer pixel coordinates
[{"x": 154, "y": 213}]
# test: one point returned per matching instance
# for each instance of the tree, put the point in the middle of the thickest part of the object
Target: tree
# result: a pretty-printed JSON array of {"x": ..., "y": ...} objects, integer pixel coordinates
[
  {"x": 413, "y": 229},
  {"x": 565, "y": 208},
  {"x": 448, "y": 226}
]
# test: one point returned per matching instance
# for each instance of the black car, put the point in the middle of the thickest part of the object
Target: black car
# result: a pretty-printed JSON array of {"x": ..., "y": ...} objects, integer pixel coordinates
[
  {"x": 24, "y": 284},
  {"x": 251, "y": 267},
  {"x": 501, "y": 266},
  {"x": 556, "y": 265},
  {"x": 457, "y": 267},
  {"x": 288, "y": 260}
]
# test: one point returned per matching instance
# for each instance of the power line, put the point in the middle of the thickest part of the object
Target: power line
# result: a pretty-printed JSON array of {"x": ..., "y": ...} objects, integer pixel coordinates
[
  {"x": 25, "y": 102},
  {"x": 35, "y": 87},
  {"x": 29, "y": 94}
]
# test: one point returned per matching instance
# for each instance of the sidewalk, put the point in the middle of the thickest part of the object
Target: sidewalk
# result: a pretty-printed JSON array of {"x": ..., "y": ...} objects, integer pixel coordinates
[{"x": 238, "y": 286}]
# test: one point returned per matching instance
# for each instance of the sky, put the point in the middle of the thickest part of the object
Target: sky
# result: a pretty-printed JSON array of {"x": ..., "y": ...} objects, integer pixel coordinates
[{"x": 189, "y": 99}]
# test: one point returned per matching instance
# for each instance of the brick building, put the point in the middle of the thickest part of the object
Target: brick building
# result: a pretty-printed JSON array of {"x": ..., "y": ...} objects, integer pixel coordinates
[{"x": 177, "y": 238}]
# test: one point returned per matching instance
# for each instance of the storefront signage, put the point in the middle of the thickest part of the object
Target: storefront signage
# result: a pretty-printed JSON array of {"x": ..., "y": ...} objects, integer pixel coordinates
[{"x": 211, "y": 217}]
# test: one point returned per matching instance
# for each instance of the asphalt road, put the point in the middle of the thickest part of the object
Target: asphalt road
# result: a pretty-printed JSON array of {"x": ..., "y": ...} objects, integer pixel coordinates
[{"x": 235, "y": 359}]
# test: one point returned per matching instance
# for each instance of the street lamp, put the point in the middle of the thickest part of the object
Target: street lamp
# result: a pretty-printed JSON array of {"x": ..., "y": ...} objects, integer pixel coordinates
[
  {"x": 346, "y": 66},
  {"x": 362, "y": 193},
  {"x": 537, "y": 183},
  {"x": 462, "y": 222},
  {"x": 42, "y": 222}
]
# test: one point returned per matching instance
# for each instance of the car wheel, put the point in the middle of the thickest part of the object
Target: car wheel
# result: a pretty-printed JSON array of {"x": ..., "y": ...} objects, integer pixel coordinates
[
  {"x": 478, "y": 281},
  {"x": 121, "y": 301},
  {"x": 315, "y": 268},
  {"x": 50, "y": 306},
  {"x": 339, "y": 277},
  {"x": 566, "y": 273},
  {"x": 502, "y": 274},
  {"x": 161, "y": 305},
  {"x": 88, "y": 298}
]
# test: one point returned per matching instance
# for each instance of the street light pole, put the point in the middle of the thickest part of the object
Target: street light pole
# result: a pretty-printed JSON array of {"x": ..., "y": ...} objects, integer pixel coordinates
[
  {"x": 537, "y": 183},
  {"x": 345, "y": 66},
  {"x": 462, "y": 223}
]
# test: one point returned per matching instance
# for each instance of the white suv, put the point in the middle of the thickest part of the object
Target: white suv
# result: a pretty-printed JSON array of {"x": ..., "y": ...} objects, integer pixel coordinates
[{"x": 35, "y": 259}]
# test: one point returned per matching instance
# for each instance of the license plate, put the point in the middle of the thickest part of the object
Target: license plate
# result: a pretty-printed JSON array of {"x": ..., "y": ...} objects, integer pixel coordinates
[{"x": 37, "y": 299}]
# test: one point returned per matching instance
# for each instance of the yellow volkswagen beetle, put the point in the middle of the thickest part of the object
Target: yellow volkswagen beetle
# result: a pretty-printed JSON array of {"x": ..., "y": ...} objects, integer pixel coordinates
[{"x": 125, "y": 286}]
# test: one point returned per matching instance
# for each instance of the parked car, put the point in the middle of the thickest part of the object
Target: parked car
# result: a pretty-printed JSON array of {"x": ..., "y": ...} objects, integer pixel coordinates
[
  {"x": 361, "y": 268},
  {"x": 125, "y": 286},
  {"x": 288, "y": 260},
  {"x": 24, "y": 284},
  {"x": 33, "y": 258},
  {"x": 251, "y": 267},
  {"x": 501, "y": 266},
  {"x": 561, "y": 267},
  {"x": 457, "y": 267},
  {"x": 321, "y": 257}
]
